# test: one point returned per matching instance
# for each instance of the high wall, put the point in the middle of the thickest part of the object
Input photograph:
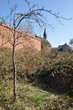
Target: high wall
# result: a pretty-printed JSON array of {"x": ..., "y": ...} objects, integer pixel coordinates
[{"x": 22, "y": 39}]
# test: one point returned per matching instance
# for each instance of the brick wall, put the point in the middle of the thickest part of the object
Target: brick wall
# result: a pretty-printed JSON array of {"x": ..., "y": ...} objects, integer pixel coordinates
[{"x": 22, "y": 39}]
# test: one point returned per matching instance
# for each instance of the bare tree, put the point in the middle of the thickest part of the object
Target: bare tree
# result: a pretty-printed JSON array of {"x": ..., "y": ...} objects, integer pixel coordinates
[
  {"x": 34, "y": 14},
  {"x": 27, "y": 27}
]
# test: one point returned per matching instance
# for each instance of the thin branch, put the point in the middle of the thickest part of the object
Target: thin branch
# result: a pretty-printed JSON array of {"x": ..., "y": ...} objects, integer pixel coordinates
[
  {"x": 6, "y": 26},
  {"x": 37, "y": 12}
]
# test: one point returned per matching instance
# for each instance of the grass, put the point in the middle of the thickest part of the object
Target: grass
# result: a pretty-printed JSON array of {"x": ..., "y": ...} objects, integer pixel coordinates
[{"x": 32, "y": 98}]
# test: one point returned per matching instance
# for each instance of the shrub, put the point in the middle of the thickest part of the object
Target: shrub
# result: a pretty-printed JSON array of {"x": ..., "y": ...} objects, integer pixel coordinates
[
  {"x": 59, "y": 75},
  {"x": 5, "y": 63}
]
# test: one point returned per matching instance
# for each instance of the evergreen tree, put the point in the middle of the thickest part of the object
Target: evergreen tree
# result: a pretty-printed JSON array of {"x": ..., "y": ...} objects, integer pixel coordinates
[{"x": 44, "y": 34}]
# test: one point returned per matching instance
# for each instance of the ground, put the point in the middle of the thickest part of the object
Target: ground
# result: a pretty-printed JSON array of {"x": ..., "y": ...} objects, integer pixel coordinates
[{"x": 30, "y": 97}]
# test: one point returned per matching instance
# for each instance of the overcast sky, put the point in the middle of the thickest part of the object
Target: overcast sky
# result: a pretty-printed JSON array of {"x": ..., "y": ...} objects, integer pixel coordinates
[{"x": 60, "y": 34}]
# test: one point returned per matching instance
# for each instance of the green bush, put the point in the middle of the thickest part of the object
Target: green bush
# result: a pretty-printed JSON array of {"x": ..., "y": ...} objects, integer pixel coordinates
[
  {"x": 54, "y": 69},
  {"x": 2, "y": 95},
  {"x": 60, "y": 74},
  {"x": 5, "y": 63}
]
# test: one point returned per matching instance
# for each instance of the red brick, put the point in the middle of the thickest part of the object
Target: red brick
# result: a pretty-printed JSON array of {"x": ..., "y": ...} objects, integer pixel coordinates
[{"x": 23, "y": 39}]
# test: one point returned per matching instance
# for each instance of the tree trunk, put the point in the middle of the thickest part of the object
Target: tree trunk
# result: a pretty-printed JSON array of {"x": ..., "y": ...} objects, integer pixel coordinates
[
  {"x": 14, "y": 73},
  {"x": 14, "y": 67}
]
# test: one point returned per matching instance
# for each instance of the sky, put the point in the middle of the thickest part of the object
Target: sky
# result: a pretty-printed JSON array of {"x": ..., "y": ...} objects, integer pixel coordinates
[{"x": 61, "y": 33}]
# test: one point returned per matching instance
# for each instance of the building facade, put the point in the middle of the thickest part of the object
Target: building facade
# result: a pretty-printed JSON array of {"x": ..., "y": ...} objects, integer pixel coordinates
[{"x": 22, "y": 39}]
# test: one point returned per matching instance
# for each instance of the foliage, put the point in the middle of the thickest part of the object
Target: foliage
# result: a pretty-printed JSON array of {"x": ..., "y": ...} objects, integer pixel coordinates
[
  {"x": 47, "y": 68},
  {"x": 45, "y": 46},
  {"x": 5, "y": 64},
  {"x": 41, "y": 67},
  {"x": 60, "y": 74}
]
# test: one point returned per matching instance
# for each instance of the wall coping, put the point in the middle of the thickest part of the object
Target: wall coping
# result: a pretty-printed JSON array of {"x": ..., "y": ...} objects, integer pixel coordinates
[{"x": 6, "y": 26}]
